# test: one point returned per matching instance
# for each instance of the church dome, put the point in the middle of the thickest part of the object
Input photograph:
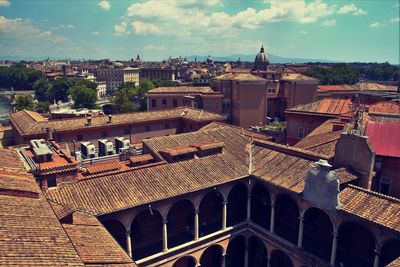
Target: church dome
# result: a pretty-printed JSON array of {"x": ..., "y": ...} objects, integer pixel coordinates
[
  {"x": 261, "y": 57},
  {"x": 209, "y": 59}
]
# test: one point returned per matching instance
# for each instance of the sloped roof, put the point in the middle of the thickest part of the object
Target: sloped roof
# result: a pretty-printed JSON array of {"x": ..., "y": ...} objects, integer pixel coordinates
[
  {"x": 26, "y": 125},
  {"x": 181, "y": 89},
  {"x": 296, "y": 77},
  {"x": 239, "y": 76},
  {"x": 357, "y": 87},
  {"x": 327, "y": 106},
  {"x": 386, "y": 107},
  {"x": 381, "y": 209},
  {"x": 384, "y": 137}
]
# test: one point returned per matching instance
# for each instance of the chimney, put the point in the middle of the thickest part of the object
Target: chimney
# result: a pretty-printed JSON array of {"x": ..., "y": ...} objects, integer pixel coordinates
[
  {"x": 49, "y": 134},
  {"x": 322, "y": 186},
  {"x": 355, "y": 151},
  {"x": 109, "y": 118}
]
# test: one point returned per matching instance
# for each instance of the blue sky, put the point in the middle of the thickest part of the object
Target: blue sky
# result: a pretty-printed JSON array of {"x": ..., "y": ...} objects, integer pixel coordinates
[{"x": 366, "y": 31}]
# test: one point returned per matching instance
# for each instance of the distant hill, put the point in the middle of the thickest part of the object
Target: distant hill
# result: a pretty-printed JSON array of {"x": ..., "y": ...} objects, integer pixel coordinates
[{"x": 250, "y": 58}]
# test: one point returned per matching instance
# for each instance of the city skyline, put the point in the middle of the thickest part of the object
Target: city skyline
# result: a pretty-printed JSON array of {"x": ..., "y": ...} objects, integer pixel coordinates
[{"x": 366, "y": 31}]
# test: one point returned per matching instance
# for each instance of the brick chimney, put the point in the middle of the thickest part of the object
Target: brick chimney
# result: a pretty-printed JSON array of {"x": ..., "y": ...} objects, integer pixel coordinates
[
  {"x": 109, "y": 118},
  {"x": 49, "y": 134},
  {"x": 89, "y": 120},
  {"x": 355, "y": 151}
]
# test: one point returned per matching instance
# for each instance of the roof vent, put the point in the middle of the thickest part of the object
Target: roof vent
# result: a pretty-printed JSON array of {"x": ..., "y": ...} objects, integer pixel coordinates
[
  {"x": 109, "y": 118},
  {"x": 89, "y": 120}
]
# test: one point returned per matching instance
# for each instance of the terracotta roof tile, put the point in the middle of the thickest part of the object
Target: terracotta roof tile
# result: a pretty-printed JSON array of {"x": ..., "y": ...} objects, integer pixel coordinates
[
  {"x": 141, "y": 158},
  {"x": 103, "y": 167},
  {"x": 386, "y": 107},
  {"x": 182, "y": 89},
  {"x": 327, "y": 106},
  {"x": 381, "y": 209}
]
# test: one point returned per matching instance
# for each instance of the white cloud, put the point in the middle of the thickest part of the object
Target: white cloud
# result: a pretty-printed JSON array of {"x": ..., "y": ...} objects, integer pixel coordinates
[
  {"x": 352, "y": 9},
  {"x": 329, "y": 22},
  {"x": 173, "y": 17},
  {"x": 376, "y": 25},
  {"x": 303, "y": 32},
  {"x": 397, "y": 5},
  {"x": 4, "y": 3},
  {"x": 95, "y": 33},
  {"x": 145, "y": 28},
  {"x": 154, "y": 47},
  {"x": 70, "y": 26},
  {"x": 105, "y": 5},
  {"x": 120, "y": 29},
  {"x": 394, "y": 20}
]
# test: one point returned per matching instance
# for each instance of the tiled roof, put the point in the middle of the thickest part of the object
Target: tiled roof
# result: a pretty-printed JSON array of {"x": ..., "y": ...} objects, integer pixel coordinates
[
  {"x": 296, "y": 77},
  {"x": 176, "y": 151},
  {"x": 357, "y": 87},
  {"x": 372, "y": 206},
  {"x": 30, "y": 233},
  {"x": 141, "y": 158},
  {"x": 328, "y": 106},
  {"x": 208, "y": 145},
  {"x": 19, "y": 119},
  {"x": 97, "y": 168},
  {"x": 239, "y": 77},
  {"x": 386, "y": 107},
  {"x": 384, "y": 137},
  {"x": 323, "y": 143},
  {"x": 183, "y": 89},
  {"x": 288, "y": 170},
  {"x": 395, "y": 263}
]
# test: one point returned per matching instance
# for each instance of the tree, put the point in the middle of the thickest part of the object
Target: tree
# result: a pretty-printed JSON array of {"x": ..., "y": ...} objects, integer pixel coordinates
[
  {"x": 43, "y": 90},
  {"x": 86, "y": 83},
  {"x": 140, "y": 93},
  {"x": 83, "y": 96},
  {"x": 23, "y": 101},
  {"x": 124, "y": 100},
  {"x": 60, "y": 89},
  {"x": 42, "y": 107},
  {"x": 19, "y": 77}
]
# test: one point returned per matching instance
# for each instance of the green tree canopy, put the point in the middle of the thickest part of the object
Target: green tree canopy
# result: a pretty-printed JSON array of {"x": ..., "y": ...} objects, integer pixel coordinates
[
  {"x": 43, "y": 90},
  {"x": 19, "y": 77},
  {"x": 60, "y": 89},
  {"x": 83, "y": 96},
  {"x": 42, "y": 107},
  {"x": 338, "y": 74},
  {"x": 86, "y": 83},
  {"x": 23, "y": 101}
]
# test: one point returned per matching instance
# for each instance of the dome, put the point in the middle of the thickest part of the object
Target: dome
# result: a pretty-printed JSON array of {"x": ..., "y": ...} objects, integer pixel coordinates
[
  {"x": 261, "y": 56},
  {"x": 209, "y": 59}
]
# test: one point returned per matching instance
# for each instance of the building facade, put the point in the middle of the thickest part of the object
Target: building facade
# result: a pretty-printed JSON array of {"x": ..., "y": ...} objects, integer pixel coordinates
[{"x": 114, "y": 77}]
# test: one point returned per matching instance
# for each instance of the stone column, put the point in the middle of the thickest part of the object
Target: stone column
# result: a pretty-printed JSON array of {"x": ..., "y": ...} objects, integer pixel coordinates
[
  {"x": 165, "y": 235},
  {"x": 334, "y": 247},
  {"x": 248, "y": 206},
  {"x": 128, "y": 243},
  {"x": 376, "y": 259},
  {"x": 196, "y": 224},
  {"x": 224, "y": 214},
  {"x": 223, "y": 260},
  {"x": 301, "y": 228},
  {"x": 246, "y": 253},
  {"x": 272, "y": 223},
  {"x": 268, "y": 261}
]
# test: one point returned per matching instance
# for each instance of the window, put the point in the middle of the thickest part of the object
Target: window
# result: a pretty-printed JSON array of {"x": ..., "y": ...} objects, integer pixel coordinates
[
  {"x": 79, "y": 137},
  {"x": 127, "y": 131},
  {"x": 164, "y": 103},
  {"x": 300, "y": 132},
  {"x": 153, "y": 103},
  {"x": 147, "y": 128},
  {"x": 52, "y": 182},
  {"x": 384, "y": 186},
  {"x": 174, "y": 103},
  {"x": 104, "y": 134}
]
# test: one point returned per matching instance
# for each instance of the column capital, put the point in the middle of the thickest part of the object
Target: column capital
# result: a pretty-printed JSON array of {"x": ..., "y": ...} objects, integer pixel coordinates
[
  {"x": 377, "y": 251},
  {"x": 128, "y": 232},
  {"x": 224, "y": 202},
  {"x": 301, "y": 217},
  {"x": 164, "y": 221}
]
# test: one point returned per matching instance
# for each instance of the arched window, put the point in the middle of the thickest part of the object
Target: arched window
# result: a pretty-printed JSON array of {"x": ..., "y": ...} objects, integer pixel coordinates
[
  {"x": 389, "y": 252},
  {"x": 235, "y": 252},
  {"x": 185, "y": 261},
  {"x": 117, "y": 230},
  {"x": 356, "y": 245},
  {"x": 210, "y": 217},
  {"x": 237, "y": 204},
  {"x": 286, "y": 218},
  {"x": 257, "y": 252},
  {"x": 146, "y": 231},
  {"x": 318, "y": 233},
  {"x": 260, "y": 211},
  {"x": 180, "y": 223},
  {"x": 280, "y": 259},
  {"x": 212, "y": 256}
]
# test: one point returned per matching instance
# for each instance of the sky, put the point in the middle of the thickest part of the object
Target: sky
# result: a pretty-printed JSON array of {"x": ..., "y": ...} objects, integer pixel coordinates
[{"x": 348, "y": 31}]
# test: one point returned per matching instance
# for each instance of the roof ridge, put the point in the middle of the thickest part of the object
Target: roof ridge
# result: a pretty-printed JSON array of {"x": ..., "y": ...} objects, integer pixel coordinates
[
  {"x": 291, "y": 150},
  {"x": 374, "y": 193}
]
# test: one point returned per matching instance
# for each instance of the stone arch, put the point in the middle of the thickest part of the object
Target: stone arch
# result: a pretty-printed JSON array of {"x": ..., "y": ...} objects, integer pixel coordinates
[
  {"x": 237, "y": 204},
  {"x": 260, "y": 206},
  {"x": 117, "y": 230},
  {"x": 185, "y": 261},
  {"x": 146, "y": 231},
  {"x": 287, "y": 218},
  {"x": 355, "y": 245},
  {"x": 318, "y": 233},
  {"x": 235, "y": 252},
  {"x": 180, "y": 223},
  {"x": 210, "y": 213},
  {"x": 389, "y": 251},
  {"x": 258, "y": 255},
  {"x": 212, "y": 256},
  {"x": 280, "y": 259}
]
